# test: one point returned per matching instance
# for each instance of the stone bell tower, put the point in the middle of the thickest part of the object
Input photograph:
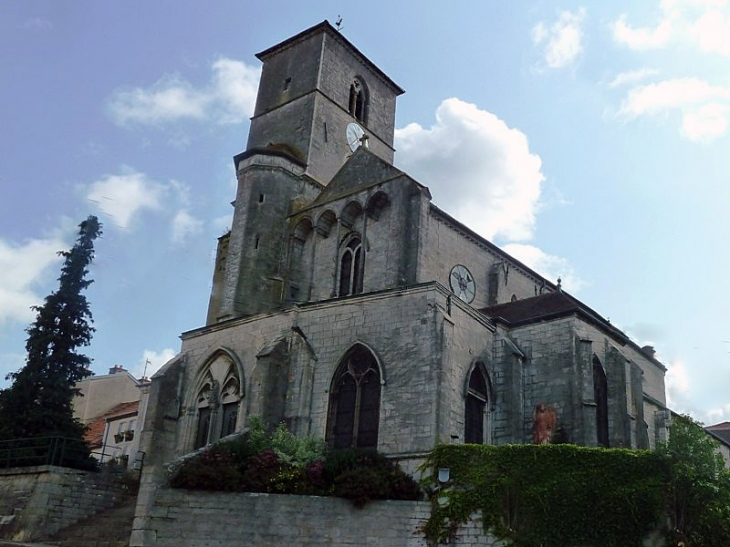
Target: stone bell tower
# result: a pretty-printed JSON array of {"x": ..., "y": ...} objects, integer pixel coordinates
[
  {"x": 319, "y": 98},
  {"x": 313, "y": 86}
]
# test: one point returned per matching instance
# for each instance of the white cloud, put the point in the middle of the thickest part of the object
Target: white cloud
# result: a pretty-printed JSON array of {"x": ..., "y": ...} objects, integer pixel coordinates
[
  {"x": 122, "y": 196},
  {"x": 677, "y": 384},
  {"x": 478, "y": 169},
  {"x": 704, "y": 107},
  {"x": 563, "y": 40},
  {"x": 183, "y": 225},
  {"x": 719, "y": 414},
  {"x": 632, "y": 76},
  {"x": 22, "y": 269},
  {"x": 706, "y": 123},
  {"x": 235, "y": 87},
  {"x": 152, "y": 361},
  {"x": 701, "y": 23},
  {"x": 712, "y": 33},
  {"x": 549, "y": 266},
  {"x": 229, "y": 97},
  {"x": 658, "y": 97},
  {"x": 171, "y": 98},
  {"x": 642, "y": 38}
]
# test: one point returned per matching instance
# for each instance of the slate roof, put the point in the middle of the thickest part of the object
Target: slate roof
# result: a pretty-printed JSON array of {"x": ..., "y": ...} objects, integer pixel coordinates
[
  {"x": 361, "y": 171},
  {"x": 95, "y": 429},
  {"x": 326, "y": 27},
  {"x": 555, "y": 305},
  {"x": 546, "y": 307},
  {"x": 722, "y": 430}
]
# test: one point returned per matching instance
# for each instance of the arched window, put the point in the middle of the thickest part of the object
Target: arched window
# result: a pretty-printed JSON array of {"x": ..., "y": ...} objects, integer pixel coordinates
[
  {"x": 351, "y": 268},
  {"x": 600, "y": 396},
  {"x": 217, "y": 401},
  {"x": 298, "y": 278},
  {"x": 476, "y": 428},
  {"x": 205, "y": 404},
  {"x": 230, "y": 399},
  {"x": 358, "y": 105},
  {"x": 354, "y": 409}
]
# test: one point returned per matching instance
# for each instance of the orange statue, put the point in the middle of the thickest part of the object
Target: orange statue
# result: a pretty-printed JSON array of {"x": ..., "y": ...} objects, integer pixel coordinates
[{"x": 545, "y": 423}]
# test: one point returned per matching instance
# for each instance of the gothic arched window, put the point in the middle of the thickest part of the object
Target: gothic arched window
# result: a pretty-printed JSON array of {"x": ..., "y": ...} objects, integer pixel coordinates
[
  {"x": 351, "y": 268},
  {"x": 230, "y": 399},
  {"x": 600, "y": 396},
  {"x": 217, "y": 401},
  {"x": 476, "y": 426},
  {"x": 204, "y": 411},
  {"x": 298, "y": 278},
  {"x": 358, "y": 105},
  {"x": 354, "y": 408}
]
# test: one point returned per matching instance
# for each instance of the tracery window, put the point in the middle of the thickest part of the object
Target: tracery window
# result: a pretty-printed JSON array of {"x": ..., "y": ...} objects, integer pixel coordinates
[
  {"x": 358, "y": 105},
  {"x": 600, "y": 396},
  {"x": 354, "y": 408},
  {"x": 201, "y": 436},
  {"x": 351, "y": 268},
  {"x": 476, "y": 423},
  {"x": 217, "y": 402}
]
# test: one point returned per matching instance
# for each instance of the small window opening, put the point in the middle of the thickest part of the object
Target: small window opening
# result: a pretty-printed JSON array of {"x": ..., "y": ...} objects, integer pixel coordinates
[
  {"x": 287, "y": 84},
  {"x": 600, "y": 395},
  {"x": 351, "y": 268},
  {"x": 358, "y": 105},
  {"x": 201, "y": 435},
  {"x": 256, "y": 243},
  {"x": 230, "y": 416},
  {"x": 261, "y": 198}
]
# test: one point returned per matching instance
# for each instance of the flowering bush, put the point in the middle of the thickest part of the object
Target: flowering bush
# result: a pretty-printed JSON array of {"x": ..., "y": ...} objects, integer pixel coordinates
[{"x": 284, "y": 464}]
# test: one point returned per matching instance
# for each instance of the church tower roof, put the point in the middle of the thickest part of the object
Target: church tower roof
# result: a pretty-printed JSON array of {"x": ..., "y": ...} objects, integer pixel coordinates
[{"x": 327, "y": 28}]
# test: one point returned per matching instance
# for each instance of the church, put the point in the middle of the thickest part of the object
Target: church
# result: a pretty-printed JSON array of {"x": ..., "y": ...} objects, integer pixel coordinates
[{"x": 347, "y": 305}]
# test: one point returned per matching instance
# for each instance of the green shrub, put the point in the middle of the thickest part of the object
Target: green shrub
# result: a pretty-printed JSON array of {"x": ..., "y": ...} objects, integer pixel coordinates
[
  {"x": 212, "y": 469},
  {"x": 699, "y": 492},
  {"x": 361, "y": 475},
  {"x": 285, "y": 464},
  {"x": 548, "y": 495}
]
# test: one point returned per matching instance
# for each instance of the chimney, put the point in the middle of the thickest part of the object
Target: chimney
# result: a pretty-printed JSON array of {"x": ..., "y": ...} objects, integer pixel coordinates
[
  {"x": 649, "y": 350},
  {"x": 116, "y": 368}
]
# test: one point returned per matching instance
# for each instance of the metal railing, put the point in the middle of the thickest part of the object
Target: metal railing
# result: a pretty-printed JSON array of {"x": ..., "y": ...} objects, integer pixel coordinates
[{"x": 60, "y": 451}]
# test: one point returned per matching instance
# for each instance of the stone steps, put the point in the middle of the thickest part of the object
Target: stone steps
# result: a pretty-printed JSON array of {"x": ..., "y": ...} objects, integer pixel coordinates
[{"x": 110, "y": 528}]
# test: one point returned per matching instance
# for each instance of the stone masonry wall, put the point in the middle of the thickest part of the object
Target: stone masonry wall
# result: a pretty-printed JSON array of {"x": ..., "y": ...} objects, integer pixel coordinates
[
  {"x": 402, "y": 328},
  {"x": 445, "y": 245},
  {"x": 228, "y": 519},
  {"x": 37, "y": 502}
]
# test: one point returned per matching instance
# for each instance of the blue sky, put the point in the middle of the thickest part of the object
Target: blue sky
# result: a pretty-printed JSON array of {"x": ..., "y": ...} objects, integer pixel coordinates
[{"x": 591, "y": 140}]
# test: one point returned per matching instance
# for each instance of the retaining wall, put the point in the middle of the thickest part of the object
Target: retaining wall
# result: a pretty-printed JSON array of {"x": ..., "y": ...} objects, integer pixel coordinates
[
  {"x": 37, "y": 502},
  {"x": 202, "y": 519}
]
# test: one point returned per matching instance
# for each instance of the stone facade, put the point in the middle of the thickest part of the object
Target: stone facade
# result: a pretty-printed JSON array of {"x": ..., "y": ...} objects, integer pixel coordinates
[
  {"x": 201, "y": 519},
  {"x": 37, "y": 502},
  {"x": 348, "y": 306},
  {"x": 336, "y": 259}
]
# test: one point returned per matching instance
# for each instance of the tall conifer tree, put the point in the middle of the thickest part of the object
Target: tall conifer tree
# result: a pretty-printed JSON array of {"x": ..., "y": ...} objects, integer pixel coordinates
[{"x": 39, "y": 401}]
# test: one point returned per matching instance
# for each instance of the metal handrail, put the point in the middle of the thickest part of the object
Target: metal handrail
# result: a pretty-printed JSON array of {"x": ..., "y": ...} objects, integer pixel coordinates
[{"x": 49, "y": 450}]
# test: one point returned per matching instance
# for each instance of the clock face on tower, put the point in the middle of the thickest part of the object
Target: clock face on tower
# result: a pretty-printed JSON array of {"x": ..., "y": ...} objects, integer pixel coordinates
[
  {"x": 354, "y": 135},
  {"x": 462, "y": 283}
]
